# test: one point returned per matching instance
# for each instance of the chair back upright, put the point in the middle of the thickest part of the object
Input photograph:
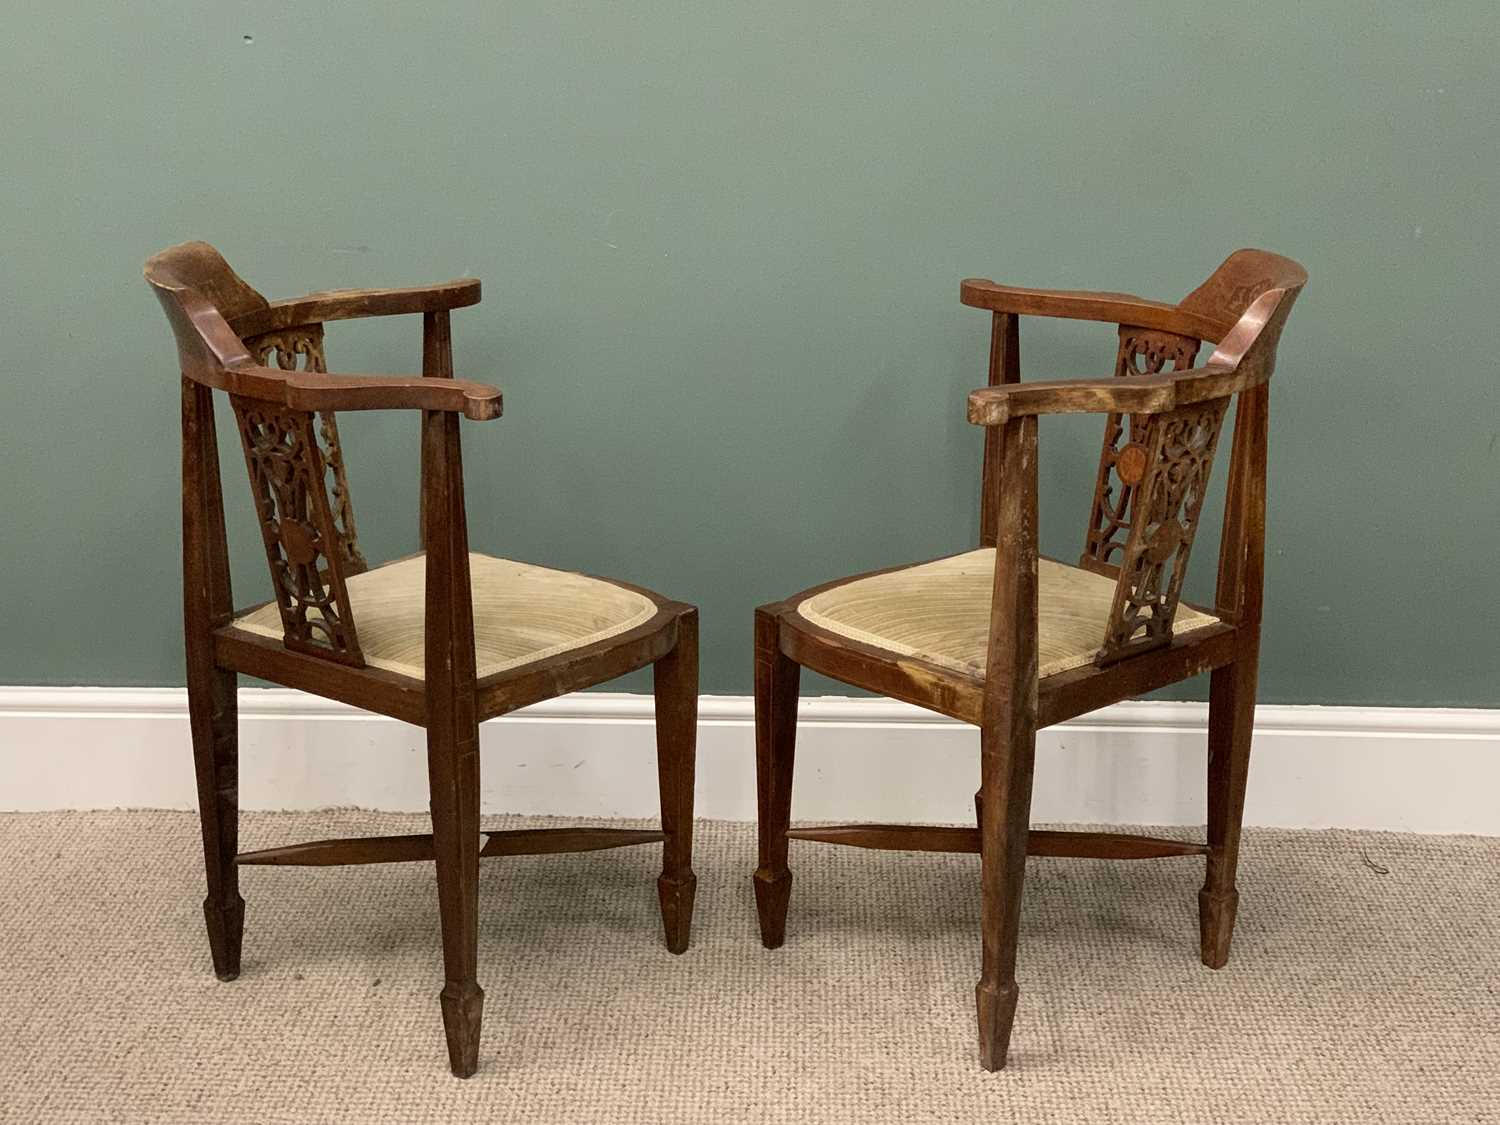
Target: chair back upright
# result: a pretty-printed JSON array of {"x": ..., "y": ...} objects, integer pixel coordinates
[
  {"x": 1154, "y": 469},
  {"x": 294, "y": 458}
]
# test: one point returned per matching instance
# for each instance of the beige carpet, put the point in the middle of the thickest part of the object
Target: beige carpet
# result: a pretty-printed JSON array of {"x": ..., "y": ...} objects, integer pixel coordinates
[{"x": 1365, "y": 986}]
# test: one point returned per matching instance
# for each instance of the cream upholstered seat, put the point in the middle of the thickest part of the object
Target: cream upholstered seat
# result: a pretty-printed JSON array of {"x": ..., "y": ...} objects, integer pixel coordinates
[
  {"x": 522, "y": 613},
  {"x": 940, "y": 612}
]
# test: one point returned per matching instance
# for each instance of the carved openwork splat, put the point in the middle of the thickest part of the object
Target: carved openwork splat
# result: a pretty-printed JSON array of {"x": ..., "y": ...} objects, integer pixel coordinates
[
  {"x": 302, "y": 539},
  {"x": 1175, "y": 464},
  {"x": 1122, "y": 459},
  {"x": 306, "y": 341}
]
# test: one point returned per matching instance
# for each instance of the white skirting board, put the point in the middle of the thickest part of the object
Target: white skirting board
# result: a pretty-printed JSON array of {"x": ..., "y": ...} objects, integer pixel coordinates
[{"x": 592, "y": 754}]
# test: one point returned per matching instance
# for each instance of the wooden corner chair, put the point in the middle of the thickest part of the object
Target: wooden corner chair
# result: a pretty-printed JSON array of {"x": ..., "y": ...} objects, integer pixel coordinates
[
  {"x": 1011, "y": 642},
  {"x": 443, "y": 639}
]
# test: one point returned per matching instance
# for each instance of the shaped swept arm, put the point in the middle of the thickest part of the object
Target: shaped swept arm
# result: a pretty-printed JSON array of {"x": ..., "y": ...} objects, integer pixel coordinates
[
  {"x": 348, "y": 304},
  {"x": 315, "y": 391},
  {"x": 1078, "y": 304},
  {"x": 1129, "y": 394}
]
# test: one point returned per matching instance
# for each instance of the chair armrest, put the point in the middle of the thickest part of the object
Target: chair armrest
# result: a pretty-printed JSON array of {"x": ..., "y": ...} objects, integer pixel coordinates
[
  {"x": 1078, "y": 304},
  {"x": 347, "y": 304},
  {"x": 1129, "y": 394},
  {"x": 315, "y": 391}
]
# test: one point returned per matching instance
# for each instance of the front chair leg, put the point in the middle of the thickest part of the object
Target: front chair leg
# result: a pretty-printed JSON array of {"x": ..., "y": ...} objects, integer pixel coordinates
[
  {"x": 1006, "y": 753},
  {"x": 676, "y": 686},
  {"x": 776, "y": 679},
  {"x": 453, "y": 772},
  {"x": 214, "y": 715},
  {"x": 1231, "y": 719}
]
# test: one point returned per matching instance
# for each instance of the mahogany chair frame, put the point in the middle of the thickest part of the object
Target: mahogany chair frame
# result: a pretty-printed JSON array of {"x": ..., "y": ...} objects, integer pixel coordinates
[
  {"x": 1242, "y": 308},
  {"x": 219, "y": 321}
]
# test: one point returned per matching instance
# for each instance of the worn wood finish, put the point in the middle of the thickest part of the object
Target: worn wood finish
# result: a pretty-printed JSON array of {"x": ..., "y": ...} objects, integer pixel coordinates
[
  {"x": 776, "y": 680},
  {"x": 1176, "y": 454},
  {"x": 1128, "y": 394},
  {"x": 1124, "y": 459},
  {"x": 892, "y": 837},
  {"x": 305, "y": 343},
  {"x": 560, "y": 841},
  {"x": 311, "y": 393},
  {"x": 1042, "y": 842},
  {"x": 305, "y": 545},
  {"x": 212, "y": 700},
  {"x": 675, "y": 683},
  {"x": 346, "y": 852},
  {"x": 1112, "y": 308},
  {"x": 417, "y": 846},
  {"x": 1164, "y": 409},
  {"x": 1005, "y": 369},
  {"x": 452, "y": 736},
  {"x": 1108, "y": 845},
  {"x": 908, "y": 678},
  {"x": 1231, "y": 717},
  {"x": 437, "y": 363},
  {"x": 369, "y": 689},
  {"x": 1068, "y": 695},
  {"x": 585, "y": 667},
  {"x": 1007, "y": 740},
  {"x": 294, "y": 458},
  {"x": 957, "y": 695},
  {"x": 1231, "y": 700},
  {"x": 345, "y": 304}
]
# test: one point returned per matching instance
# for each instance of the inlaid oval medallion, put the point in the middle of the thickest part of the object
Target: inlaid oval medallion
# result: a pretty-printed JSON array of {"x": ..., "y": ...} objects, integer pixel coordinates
[{"x": 1131, "y": 463}]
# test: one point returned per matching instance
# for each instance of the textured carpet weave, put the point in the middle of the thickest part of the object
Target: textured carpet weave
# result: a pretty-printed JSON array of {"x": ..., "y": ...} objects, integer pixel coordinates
[{"x": 1364, "y": 986}]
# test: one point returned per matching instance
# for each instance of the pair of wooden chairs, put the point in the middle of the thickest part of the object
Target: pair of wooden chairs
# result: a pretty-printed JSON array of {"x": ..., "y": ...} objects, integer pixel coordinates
[{"x": 997, "y": 637}]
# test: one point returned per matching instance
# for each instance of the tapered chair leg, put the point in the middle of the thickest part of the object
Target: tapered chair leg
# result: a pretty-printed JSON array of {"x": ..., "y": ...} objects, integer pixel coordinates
[
  {"x": 676, "y": 686},
  {"x": 1231, "y": 718},
  {"x": 776, "y": 680},
  {"x": 1007, "y": 736},
  {"x": 453, "y": 769},
  {"x": 214, "y": 716},
  {"x": 1007, "y": 753},
  {"x": 452, "y": 734}
]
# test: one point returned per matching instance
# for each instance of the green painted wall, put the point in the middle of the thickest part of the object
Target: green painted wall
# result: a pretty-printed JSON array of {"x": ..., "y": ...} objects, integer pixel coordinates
[{"x": 721, "y": 247}]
